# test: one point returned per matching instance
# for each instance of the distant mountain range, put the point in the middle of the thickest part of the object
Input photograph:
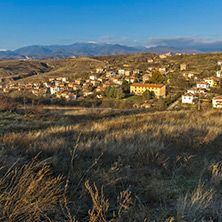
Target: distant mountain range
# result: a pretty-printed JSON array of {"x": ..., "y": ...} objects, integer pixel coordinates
[{"x": 84, "y": 49}]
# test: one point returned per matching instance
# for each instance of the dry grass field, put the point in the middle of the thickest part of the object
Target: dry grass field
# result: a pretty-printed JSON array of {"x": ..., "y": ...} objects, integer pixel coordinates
[
  {"x": 41, "y": 70},
  {"x": 111, "y": 165}
]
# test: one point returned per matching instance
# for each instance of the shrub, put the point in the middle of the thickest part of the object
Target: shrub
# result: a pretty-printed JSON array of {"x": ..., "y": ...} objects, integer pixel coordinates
[{"x": 8, "y": 104}]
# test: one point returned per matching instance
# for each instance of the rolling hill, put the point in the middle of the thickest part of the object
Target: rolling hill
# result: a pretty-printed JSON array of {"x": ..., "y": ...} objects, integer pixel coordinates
[{"x": 84, "y": 49}]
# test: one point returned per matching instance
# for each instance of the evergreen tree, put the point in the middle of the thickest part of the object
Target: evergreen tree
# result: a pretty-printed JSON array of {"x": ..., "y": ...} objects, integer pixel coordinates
[
  {"x": 125, "y": 86},
  {"x": 146, "y": 95},
  {"x": 107, "y": 93},
  {"x": 156, "y": 77},
  {"x": 112, "y": 92},
  {"x": 120, "y": 94}
]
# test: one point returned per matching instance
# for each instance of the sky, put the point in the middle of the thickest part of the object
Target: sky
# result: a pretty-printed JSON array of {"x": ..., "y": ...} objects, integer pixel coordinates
[{"x": 178, "y": 23}]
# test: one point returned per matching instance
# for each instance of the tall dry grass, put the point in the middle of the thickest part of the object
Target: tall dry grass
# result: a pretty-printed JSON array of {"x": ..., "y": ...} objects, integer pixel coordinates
[
  {"x": 29, "y": 193},
  {"x": 156, "y": 157}
]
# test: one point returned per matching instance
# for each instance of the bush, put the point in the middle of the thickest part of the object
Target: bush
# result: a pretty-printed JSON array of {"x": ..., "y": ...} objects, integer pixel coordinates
[{"x": 8, "y": 104}]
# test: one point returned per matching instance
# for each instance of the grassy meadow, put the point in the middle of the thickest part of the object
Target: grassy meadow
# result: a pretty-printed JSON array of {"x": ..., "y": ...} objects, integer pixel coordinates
[{"x": 111, "y": 165}]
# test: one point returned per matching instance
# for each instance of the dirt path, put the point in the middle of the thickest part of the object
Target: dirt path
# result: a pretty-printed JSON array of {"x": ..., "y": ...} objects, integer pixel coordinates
[{"x": 174, "y": 104}]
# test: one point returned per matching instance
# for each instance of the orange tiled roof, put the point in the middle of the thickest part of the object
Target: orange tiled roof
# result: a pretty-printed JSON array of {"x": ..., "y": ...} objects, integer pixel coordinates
[
  {"x": 150, "y": 85},
  {"x": 218, "y": 97}
]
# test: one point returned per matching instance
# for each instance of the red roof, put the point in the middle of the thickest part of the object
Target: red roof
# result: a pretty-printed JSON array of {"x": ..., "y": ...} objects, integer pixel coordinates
[
  {"x": 150, "y": 85},
  {"x": 218, "y": 97}
]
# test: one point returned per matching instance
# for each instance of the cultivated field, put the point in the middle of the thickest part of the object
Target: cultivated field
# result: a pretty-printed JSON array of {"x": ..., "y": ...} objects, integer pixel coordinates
[{"x": 111, "y": 165}]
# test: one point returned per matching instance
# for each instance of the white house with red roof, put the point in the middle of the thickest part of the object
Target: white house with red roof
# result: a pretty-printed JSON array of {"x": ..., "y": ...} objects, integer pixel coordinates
[
  {"x": 189, "y": 98},
  {"x": 203, "y": 85},
  {"x": 217, "y": 102}
]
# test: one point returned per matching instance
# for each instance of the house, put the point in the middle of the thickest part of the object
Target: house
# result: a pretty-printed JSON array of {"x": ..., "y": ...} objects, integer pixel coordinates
[
  {"x": 219, "y": 74},
  {"x": 212, "y": 81},
  {"x": 151, "y": 68},
  {"x": 105, "y": 85},
  {"x": 52, "y": 79},
  {"x": 136, "y": 71},
  {"x": 118, "y": 81},
  {"x": 64, "y": 79},
  {"x": 57, "y": 83},
  {"x": 183, "y": 67},
  {"x": 78, "y": 81},
  {"x": 99, "y": 96},
  {"x": 102, "y": 79},
  {"x": 87, "y": 92},
  {"x": 93, "y": 77},
  {"x": 86, "y": 85},
  {"x": 99, "y": 70},
  {"x": 196, "y": 90},
  {"x": 217, "y": 102},
  {"x": 189, "y": 98},
  {"x": 146, "y": 77},
  {"x": 188, "y": 75},
  {"x": 128, "y": 73},
  {"x": 130, "y": 79},
  {"x": 76, "y": 87},
  {"x": 100, "y": 88},
  {"x": 54, "y": 89},
  {"x": 95, "y": 82},
  {"x": 163, "y": 69},
  {"x": 163, "y": 56},
  {"x": 121, "y": 72},
  {"x": 67, "y": 95},
  {"x": 203, "y": 85},
  {"x": 168, "y": 54},
  {"x": 150, "y": 60},
  {"x": 158, "y": 90},
  {"x": 110, "y": 73}
]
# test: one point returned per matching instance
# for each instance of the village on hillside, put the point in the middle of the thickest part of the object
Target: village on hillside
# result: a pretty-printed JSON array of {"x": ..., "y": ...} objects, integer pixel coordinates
[{"x": 107, "y": 82}]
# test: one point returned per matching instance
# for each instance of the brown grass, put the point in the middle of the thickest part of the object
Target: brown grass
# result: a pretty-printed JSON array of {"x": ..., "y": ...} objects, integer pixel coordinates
[
  {"x": 29, "y": 193},
  {"x": 153, "y": 166}
]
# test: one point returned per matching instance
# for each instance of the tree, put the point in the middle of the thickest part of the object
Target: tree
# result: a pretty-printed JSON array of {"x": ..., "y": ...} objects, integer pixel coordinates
[
  {"x": 147, "y": 95},
  {"x": 220, "y": 83},
  {"x": 156, "y": 77},
  {"x": 125, "y": 86},
  {"x": 107, "y": 93},
  {"x": 161, "y": 104},
  {"x": 120, "y": 94},
  {"x": 112, "y": 92}
]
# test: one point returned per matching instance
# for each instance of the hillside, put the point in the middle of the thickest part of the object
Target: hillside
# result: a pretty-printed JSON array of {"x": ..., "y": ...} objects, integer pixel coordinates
[
  {"x": 83, "y": 66},
  {"x": 13, "y": 70},
  {"x": 41, "y": 69}
]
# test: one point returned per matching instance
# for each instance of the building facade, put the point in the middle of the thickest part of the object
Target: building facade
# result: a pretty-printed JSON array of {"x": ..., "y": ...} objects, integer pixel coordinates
[{"x": 158, "y": 90}]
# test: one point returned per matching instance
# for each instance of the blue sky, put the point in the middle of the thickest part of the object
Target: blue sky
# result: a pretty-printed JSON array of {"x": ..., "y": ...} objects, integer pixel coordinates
[{"x": 141, "y": 22}]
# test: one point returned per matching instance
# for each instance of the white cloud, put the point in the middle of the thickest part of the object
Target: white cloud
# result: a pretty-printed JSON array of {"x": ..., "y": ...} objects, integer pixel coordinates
[
  {"x": 106, "y": 37},
  {"x": 185, "y": 42},
  {"x": 125, "y": 38}
]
